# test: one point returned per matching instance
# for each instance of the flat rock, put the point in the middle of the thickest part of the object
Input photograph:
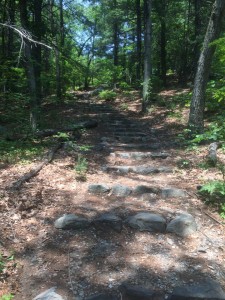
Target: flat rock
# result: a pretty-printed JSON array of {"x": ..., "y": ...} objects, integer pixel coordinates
[
  {"x": 173, "y": 193},
  {"x": 140, "y": 155},
  {"x": 98, "y": 188},
  {"x": 142, "y": 146},
  {"x": 204, "y": 291},
  {"x": 121, "y": 190},
  {"x": 183, "y": 225},
  {"x": 143, "y": 170},
  {"x": 102, "y": 297},
  {"x": 130, "y": 292},
  {"x": 108, "y": 220},
  {"x": 49, "y": 294},
  {"x": 145, "y": 221},
  {"x": 143, "y": 189},
  {"x": 71, "y": 221}
]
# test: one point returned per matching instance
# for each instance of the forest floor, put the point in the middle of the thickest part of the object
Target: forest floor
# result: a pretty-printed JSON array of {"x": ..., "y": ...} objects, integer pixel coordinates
[{"x": 84, "y": 262}]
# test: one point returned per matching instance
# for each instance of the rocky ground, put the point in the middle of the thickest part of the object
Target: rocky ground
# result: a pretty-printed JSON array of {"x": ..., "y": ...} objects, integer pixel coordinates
[{"x": 129, "y": 215}]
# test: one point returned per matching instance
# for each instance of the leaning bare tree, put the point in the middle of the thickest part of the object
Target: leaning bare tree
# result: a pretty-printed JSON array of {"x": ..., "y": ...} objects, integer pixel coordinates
[{"x": 196, "y": 116}]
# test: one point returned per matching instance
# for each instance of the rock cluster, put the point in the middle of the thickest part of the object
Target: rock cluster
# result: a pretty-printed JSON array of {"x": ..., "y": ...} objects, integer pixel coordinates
[{"x": 182, "y": 225}]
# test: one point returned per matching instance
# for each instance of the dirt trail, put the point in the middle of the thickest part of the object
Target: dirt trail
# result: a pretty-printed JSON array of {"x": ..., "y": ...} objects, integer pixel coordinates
[{"x": 129, "y": 150}]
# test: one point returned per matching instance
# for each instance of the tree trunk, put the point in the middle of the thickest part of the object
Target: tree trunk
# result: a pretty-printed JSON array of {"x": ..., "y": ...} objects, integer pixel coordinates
[
  {"x": 29, "y": 68},
  {"x": 37, "y": 49},
  {"x": 163, "y": 42},
  {"x": 138, "y": 43},
  {"x": 196, "y": 116},
  {"x": 147, "y": 55}
]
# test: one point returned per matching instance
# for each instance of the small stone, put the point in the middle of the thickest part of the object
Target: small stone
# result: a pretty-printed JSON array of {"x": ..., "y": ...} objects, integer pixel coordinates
[
  {"x": 121, "y": 190},
  {"x": 98, "y": 188},
  {"x": 71, "y": 221},
  {"x": 183, "y": 225},
  {"x": 108, "y": 220},
  {"x": 146, "y": 221}
]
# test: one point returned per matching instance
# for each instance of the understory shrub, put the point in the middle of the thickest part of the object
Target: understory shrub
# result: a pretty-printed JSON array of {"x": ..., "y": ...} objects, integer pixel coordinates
[{"x": 107, "y": 95}]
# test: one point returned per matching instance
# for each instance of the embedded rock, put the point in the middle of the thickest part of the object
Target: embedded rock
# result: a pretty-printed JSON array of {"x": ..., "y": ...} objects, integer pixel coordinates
[
  {"x": 182, "y": 225},
  {"x": 173, "y": 193},
  {"x": 143, "y": 189},
  {"x": 202, "y": 291},
  {"x": 98, "y": 188},
  {"x": 71, "y": 221},
  {"x": 108, "y": 220},
  {"x": 49, "y": 294},
  {"x": 102, "y": 297},
  {"x": 146, "y": 221},
  {"x": 121, "y": 190},
  {"x": 130, "y": 292}
]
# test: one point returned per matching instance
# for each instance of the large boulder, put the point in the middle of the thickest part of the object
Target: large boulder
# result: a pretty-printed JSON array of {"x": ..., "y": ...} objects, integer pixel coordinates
[
  {"x": 145, "y": 221},
  {"x": 98, "y": 188},
  {"x": 71, "y": 221},
  {"x": 204, "y": 291},
  {"x": 183, "y": 225},
  {"x": 108, "y": 221},
  {"x": 121, "y": 190},
  {"x": 173, "y": 193}
]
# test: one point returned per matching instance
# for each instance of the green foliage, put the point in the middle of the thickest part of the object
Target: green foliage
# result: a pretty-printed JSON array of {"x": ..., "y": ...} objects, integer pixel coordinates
[
  {"x": 184, "y": 163},
  {"x": 107, "y": 95},
  {"x": 214, "y": 191},
  {"x": 124, "y": 106},
  {"x": 20, "y": 151},
  {"x": 7, "y": 297},
  {"x": 81, "y": 168},
  {"x": 214, "y": 132}
]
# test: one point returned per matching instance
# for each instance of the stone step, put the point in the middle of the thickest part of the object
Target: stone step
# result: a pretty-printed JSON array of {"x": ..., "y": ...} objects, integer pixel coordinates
[
  {"x": 140, "y": 146},
  {"x": 142, "y": 170},
  {"x": 140, "y": 155},
  {"x": 129, "y": 133},
  {"x": 124, "y": 139},
  {"x": 120, "y": 190}
]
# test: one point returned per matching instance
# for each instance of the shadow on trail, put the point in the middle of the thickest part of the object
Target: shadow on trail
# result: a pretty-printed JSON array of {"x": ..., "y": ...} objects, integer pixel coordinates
[{"x": 85, "y": 262}]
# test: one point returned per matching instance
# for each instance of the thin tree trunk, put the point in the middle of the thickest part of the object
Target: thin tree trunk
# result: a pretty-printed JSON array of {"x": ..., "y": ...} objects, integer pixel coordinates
[
  {"x": 147, "y": 55},
  {"x": 138, "y": 43},
  {"x": 37, "y": 49},
  {"x": 163, "y": 42},
  {"x": 29, "y": 69},
  {"x": 196, "y": 116}
]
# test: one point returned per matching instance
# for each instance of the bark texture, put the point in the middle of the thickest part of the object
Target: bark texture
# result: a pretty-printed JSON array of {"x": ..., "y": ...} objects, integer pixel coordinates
[
  {"x": 196, "y": 116},
  {"x": 147, "y": 55}
]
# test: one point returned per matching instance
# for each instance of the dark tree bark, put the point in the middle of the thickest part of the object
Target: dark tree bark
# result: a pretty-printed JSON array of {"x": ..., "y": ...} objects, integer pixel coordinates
[
  {"x": 138, "y": 43},
  {"x": 38, "y": 29},
  {"x": 196, "y": 116},
  {"x": 29, "y": 66},
  {"x": 59, "y": 60},
  {"x": 147, "y": 55},
  {"x": 161, "y": 7}
]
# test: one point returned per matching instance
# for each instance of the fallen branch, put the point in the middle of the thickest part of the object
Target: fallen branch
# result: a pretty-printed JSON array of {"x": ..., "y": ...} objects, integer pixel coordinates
[
  {"x": 213, "y": 218},
  {"x": 49, "y": 157}
]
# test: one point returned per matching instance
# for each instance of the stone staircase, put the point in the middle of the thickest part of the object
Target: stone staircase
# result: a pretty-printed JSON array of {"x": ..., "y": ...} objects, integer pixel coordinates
[{"x": 145, "y": 221}]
